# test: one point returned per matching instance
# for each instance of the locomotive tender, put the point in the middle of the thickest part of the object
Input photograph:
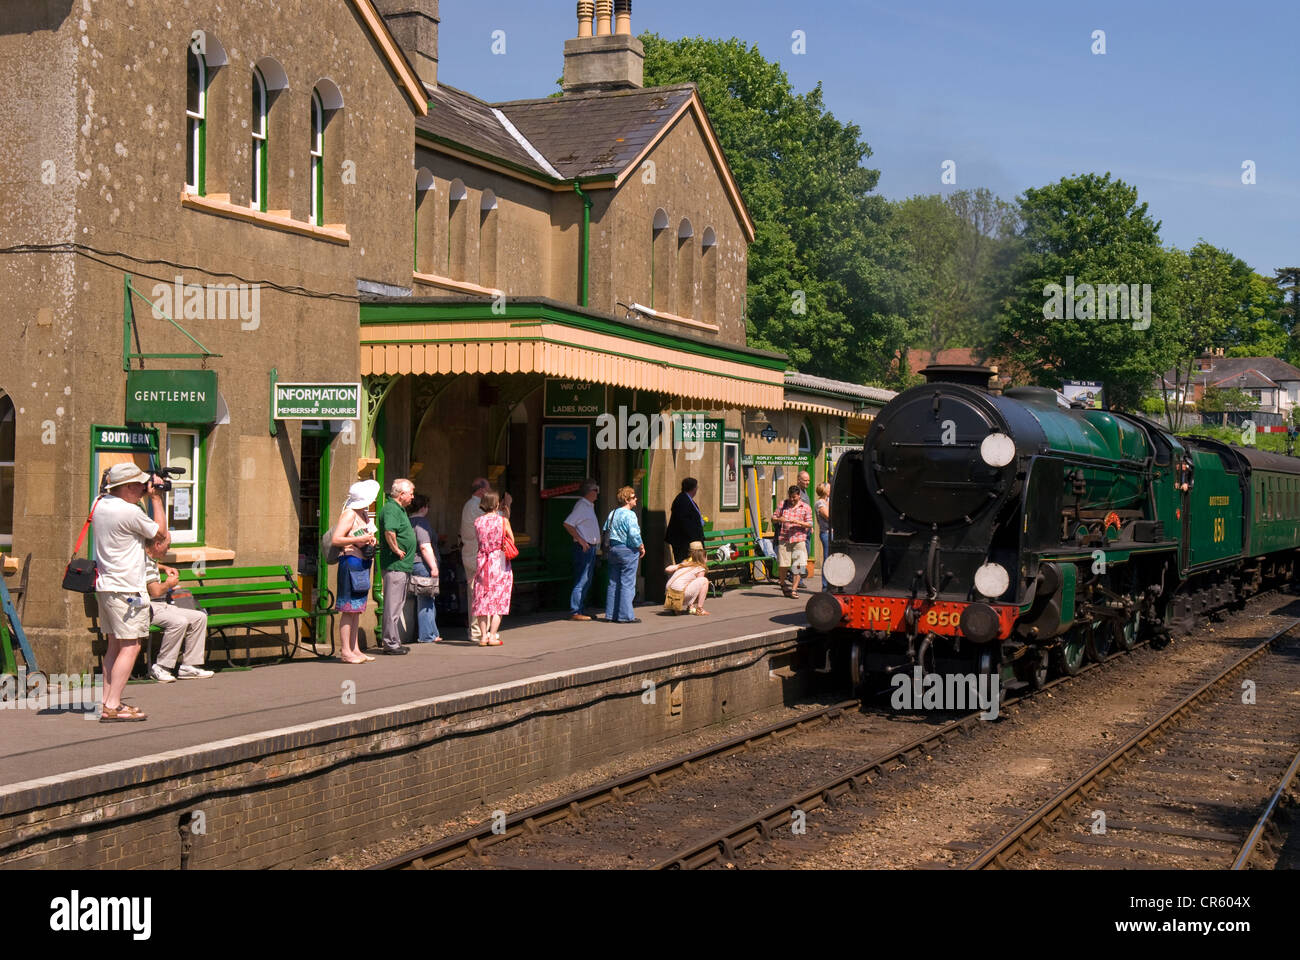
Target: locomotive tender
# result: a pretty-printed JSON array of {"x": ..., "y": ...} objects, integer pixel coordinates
[{"x": 1014, "y": 534}]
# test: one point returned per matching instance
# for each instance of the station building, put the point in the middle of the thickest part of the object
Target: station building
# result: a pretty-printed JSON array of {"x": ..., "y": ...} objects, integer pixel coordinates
[{"x": 265, "y": 243}]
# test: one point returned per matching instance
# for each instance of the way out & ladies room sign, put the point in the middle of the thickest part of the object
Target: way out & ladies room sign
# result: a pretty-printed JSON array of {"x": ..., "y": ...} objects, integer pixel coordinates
[{"x": 316, "y": 401}]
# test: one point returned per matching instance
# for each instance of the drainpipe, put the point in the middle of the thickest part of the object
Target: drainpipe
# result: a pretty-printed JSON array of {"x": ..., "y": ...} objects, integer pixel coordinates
[{"x": 586, "y": 240}]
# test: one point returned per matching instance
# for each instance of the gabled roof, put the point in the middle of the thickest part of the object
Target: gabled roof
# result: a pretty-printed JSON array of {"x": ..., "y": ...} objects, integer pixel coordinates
[
  {"x": 402, "y": 69},
  {"x": 806, "y": 381},
  {"x": 1250, "y": 379},
  {"x": 1273, "y": 369},
  {"x": 602, "y": 136}
]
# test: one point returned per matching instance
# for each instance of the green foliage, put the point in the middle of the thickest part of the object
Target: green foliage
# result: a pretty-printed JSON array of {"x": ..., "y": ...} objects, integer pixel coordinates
[
  {"x": 1092, "y": 228},
  {"x": 1152, "y": 406},
  {"x": 820, "y": 229},
  {"x": 1271, "y": 442},
  {"x": 1218, "y": 399},
  {"x": 959, "y": 246}
]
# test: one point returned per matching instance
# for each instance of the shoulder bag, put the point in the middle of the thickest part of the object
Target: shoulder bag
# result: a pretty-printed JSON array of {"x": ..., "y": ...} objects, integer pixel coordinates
[
  {"x": 81, "y": 574},
  {"x": 509, "y": 546}
]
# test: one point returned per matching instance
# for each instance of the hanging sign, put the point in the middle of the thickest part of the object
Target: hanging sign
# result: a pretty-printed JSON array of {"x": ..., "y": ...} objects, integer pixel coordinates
[{"x": 171, "y": 396}]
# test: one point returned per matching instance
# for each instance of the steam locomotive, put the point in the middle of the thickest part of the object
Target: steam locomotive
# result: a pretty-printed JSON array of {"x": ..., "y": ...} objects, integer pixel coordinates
[{"x": 1017, "y": 535}]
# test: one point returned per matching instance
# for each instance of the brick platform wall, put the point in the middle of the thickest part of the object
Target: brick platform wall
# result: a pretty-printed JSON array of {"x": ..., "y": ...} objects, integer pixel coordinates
[{"x": 304, "y": 794}]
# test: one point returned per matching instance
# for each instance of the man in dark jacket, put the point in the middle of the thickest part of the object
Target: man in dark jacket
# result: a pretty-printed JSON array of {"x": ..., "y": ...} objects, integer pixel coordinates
[{"x": 685, "y": 523}]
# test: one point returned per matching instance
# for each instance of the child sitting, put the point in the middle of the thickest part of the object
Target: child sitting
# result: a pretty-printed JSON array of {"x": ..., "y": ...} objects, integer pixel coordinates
[{"x": 688, "y": 583}]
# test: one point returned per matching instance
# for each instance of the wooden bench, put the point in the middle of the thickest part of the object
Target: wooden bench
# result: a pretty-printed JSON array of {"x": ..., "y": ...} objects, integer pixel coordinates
[
  {"x": 262, "y": 601},
  {"x": 745, "y": 553}
]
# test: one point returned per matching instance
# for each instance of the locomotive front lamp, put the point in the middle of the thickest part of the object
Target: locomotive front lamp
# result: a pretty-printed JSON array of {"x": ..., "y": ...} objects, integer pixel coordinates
[
  {"x": 997, "y": 450},
  {"x": 992, "y": 580},
  {"x": 839, "y": 569}
]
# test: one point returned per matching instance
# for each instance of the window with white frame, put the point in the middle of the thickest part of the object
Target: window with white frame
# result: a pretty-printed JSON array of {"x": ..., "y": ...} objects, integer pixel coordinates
[
  {"x": 317, "y": 160},
  {"x": 183, "y": 501},
  {"x": 8, "y": 421},
  {"x": 259, "y": 127},
  {"x": 196, "y": 111}
]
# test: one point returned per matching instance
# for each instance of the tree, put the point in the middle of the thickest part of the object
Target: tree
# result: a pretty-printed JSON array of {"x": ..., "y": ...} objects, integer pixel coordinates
[
  {"x": 1221, "y": 400},
  {"x": 960, "y": 247},
  {"x": 1086, "y": 240},
  {"x": 1288, "y": 279},
  {"x": 827, "y": 272}
]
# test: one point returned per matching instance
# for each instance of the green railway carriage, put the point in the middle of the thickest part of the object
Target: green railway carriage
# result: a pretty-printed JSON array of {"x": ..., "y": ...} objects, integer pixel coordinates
[
  {"x": 1212, "y": 513},
  {"x": 1273, "y": 518}
]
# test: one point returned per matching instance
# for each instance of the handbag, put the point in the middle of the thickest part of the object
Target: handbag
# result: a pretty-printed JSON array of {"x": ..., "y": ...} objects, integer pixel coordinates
[
  {"x": 332, "y": 553},
  {"x": 182, "y": 598},
  {"x": 81, "y": 574},
  {"x": 605, "y": 544},
  {"x": 360, "y": 578},
  {"x": 510, "y": 548},
  {"x": 418, "y": 586}
]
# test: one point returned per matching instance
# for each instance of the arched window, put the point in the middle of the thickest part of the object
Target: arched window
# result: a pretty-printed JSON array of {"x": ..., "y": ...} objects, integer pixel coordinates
[
  {"x": 487, "y": 240},
  {"x": 805, "y": 439},
  {"x": 423, "y": 220},
  {"x": 196, "y": 115},
  {"x": 268, "y": 79},
  {"x": 317, "y": 213},
  {"x": 326, "y": 102},
  {"x": 661, "y": 275},
  {"x": 8, "y": 421},
  {"x": 708, "y": 311},
  {"x": 685, "y": 269},
  {"x": 258, "y": 125},
  {"x": 457, "y": 229}
]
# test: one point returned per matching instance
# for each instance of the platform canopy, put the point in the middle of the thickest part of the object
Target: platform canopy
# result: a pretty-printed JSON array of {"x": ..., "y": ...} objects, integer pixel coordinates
[{"x": 402, "y": 336}]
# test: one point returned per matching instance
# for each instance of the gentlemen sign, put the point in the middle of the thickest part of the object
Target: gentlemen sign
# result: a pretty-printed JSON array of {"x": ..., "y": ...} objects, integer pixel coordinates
[
  {"x": 171, "y": 396},
  {"x": 317, "y": 401},
  {"x": 574, "y": 398}
]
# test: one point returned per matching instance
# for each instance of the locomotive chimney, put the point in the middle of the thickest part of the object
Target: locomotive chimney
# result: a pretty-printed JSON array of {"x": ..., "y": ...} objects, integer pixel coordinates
[{"x": 970, "y": 376}]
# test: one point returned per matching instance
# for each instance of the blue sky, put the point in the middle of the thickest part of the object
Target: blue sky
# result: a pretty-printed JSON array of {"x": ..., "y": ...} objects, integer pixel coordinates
[{"x": 1010, "y": 92}]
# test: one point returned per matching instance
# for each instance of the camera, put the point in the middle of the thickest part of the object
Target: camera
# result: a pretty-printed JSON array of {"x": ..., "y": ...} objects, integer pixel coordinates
[
  {"x": 368, "y": 551},
  {"x": 162, "y": 482}
]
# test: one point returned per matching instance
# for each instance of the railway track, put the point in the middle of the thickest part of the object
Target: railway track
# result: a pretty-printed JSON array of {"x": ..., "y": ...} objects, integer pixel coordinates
[
  {"x": 478, "y": 840},
  {"x": 1182, "y": 792}
]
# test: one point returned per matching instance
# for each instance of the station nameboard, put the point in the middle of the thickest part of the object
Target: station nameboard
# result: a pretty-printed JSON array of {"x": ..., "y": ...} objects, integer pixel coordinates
[{"x": 317, "y": 401}]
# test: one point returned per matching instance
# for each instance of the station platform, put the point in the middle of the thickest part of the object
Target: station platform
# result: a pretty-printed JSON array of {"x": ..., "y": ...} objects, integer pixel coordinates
[{"x": 550, "y": 670}]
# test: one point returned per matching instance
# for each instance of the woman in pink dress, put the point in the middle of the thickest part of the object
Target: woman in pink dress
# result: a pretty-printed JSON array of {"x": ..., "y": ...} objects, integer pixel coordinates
[{"x": 493, "y": 579}]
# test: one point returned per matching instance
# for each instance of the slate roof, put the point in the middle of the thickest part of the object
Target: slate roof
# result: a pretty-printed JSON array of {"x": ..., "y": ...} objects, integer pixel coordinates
[
  {"x": 466, "y": 120},
  {"x": 596, "y": 134},
  {"x": 1272, "y": 369},
  {"x": 583, "y": 135},
  {"x": 807, "y": 381}
]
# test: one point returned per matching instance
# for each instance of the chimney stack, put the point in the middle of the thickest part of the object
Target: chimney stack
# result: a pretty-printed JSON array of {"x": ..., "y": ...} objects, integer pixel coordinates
[
  {"x": 609, "y": 58},
  {"x": 414, "y": 25}
]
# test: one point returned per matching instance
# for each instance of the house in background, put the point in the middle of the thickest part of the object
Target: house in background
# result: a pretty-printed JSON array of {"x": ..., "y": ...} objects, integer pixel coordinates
[{"x": 1272, "y": 382}]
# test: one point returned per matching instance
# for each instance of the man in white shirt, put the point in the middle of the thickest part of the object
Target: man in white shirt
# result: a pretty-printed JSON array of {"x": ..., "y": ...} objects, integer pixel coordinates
[
  {"x": 469, "y": 548},
  {"x": 584, "y": 528},
  {"x": 177, "y": 624},
  {"x": 122, "y": 532}
]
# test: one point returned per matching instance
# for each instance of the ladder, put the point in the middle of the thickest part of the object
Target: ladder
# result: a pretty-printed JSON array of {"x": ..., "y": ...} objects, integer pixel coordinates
[{"x": 11, "y": 627}]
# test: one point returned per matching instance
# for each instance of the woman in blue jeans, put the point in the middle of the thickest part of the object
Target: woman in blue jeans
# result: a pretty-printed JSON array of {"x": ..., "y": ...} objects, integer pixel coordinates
[
  {"x": 426, "y": 565},
  {"x": 625, "y": 551}
]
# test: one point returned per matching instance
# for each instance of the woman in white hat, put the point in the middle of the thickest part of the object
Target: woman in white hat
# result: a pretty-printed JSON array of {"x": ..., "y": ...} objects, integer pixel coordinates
[{"x": 354, "y": 532}]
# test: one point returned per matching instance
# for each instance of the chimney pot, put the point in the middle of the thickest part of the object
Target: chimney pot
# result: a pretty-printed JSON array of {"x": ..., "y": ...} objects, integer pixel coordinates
[
  {"x": 604, "y": 17},
  {"x": 623, "y": 17},
  {"x": 586, "y": 11}
]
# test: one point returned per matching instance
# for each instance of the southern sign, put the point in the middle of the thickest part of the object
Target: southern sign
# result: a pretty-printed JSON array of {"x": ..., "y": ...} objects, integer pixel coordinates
[
  {"x": 132, "y": 439},
  {"x": 317, "y": 401},
  {"x": 171, "y": 396},
  {"x": 574, "y": 398}
]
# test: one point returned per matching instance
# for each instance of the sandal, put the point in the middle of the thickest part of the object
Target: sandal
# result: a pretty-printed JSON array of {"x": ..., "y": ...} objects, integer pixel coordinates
[
  {"x": 122, "y": 714},
  {"x": 495, "y": 640},
  {"x": 700, "y": 612}
]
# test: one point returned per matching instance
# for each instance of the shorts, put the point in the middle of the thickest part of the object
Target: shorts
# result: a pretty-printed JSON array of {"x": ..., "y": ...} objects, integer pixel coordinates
[
  {"x": 793, "y": 554},
  {"x": 125, "y": 616}
]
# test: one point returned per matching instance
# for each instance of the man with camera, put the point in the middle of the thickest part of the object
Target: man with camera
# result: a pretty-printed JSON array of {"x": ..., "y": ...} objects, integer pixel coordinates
[{"x": 123, "y": 532}]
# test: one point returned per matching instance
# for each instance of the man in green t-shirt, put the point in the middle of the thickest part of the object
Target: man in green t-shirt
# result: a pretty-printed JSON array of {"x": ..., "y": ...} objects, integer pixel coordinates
[{"x": 396, "y": 557}]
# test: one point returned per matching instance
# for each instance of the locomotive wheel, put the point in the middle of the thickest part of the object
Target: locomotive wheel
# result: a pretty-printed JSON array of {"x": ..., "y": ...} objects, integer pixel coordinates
[
  {"x": 1033, "y": 668},
  {"x": 987, "y": 665},
  {"x": 1068, "y": 655},
  {"x": 1126, "y": 634},
  {"x": 1099, "y": 641},
  {"x": 857, "y": 664}
]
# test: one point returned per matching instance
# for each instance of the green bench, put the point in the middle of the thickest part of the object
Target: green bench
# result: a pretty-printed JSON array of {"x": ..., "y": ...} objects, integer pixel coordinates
[
  {"x": 745, "y": 554},
  {"x": 531, "y": 567},
  {"x": 259, "y": 601}
]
